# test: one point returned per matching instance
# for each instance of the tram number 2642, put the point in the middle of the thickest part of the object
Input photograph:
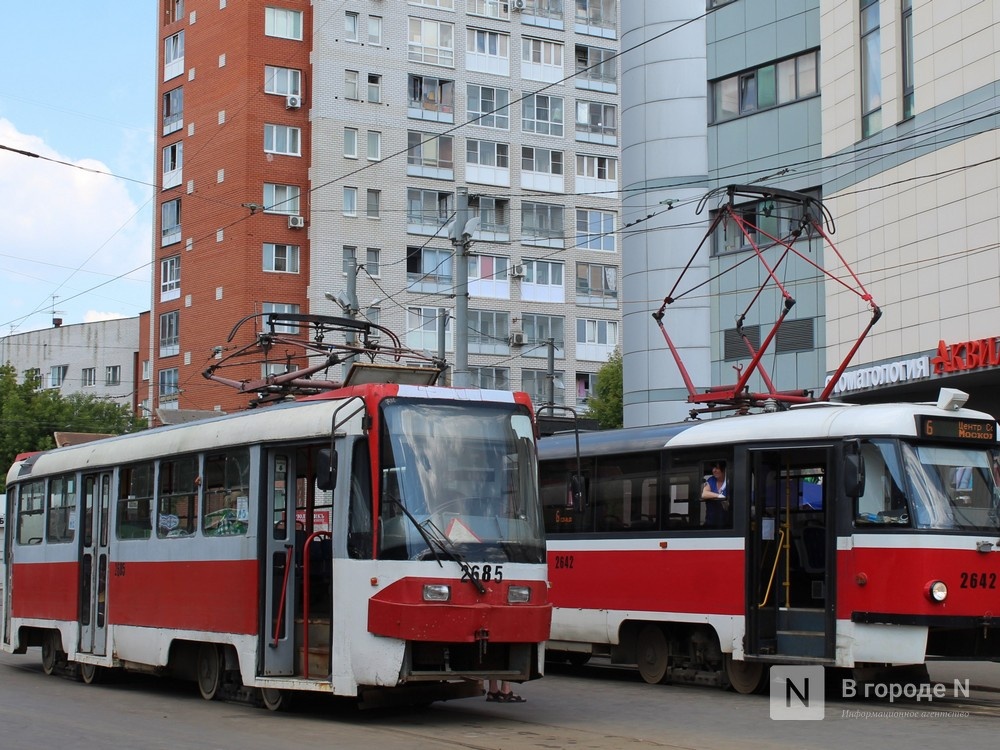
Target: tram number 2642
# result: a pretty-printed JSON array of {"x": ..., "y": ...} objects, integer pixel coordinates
[{"x": 979, "y": 580}]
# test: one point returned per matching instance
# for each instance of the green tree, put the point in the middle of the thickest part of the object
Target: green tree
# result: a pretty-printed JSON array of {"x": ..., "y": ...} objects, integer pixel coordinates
[
  {"x": 605, "y": 404},
  {"x": 30, "y": 415}
]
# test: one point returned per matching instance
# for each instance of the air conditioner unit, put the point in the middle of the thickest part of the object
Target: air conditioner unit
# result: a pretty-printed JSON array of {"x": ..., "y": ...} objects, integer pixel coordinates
[
  {"x": 518, "y": 4},
  {"x": 293, "y": 102},
  {"x": 517, "y": 338},
  {"x": 517, "y": 271},
  {"x": 296, "y": 222}
]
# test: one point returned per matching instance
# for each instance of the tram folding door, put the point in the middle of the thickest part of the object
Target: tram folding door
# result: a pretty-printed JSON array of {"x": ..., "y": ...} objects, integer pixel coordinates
[
  {"x": 278, "y": 632},
  {"x": 94, "y": 563},
  {"x": 791, "y": 558}
]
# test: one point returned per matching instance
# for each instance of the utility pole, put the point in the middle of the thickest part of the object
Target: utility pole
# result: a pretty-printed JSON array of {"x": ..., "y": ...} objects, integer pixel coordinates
[
  {"x": 461, "y": 238},
  {"x": 551, "y": 376}
]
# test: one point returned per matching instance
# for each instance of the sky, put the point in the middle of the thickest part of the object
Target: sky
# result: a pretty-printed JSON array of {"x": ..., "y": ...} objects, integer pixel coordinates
[{"x": 76, "y": 221}]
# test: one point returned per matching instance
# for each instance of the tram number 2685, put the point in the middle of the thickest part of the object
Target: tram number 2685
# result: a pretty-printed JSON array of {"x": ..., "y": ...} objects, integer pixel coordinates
[
  {"x": 979, "y": 580},
  {"x": 484, "y": 573}
]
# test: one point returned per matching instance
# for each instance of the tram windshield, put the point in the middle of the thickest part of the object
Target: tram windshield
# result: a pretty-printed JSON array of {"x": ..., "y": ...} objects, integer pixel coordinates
[
  {"x": 458, "y": 480},
  {"x": 930, "y": 487}
]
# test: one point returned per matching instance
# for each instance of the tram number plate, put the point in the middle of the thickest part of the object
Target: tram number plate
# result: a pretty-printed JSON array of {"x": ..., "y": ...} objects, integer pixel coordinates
[
  {"x": 979, "y": 580},
  {"x": 484, "y": 573},
  {"x": 564, "y": 562}
]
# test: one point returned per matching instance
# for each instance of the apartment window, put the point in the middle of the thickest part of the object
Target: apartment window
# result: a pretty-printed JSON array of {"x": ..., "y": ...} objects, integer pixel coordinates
[
  {"x": 443, "y": 4},
  {"x": 351, "y": 143},
  {"x": 283, "y": 23},
  {"x": 429, "y": 207},
  {"x": 601, "y": 332},
  {"x": 431, "y": 42},
  {"x": 170, "y": 278},
  {"x": 170, "y": 222},
  {"x": 487, "y": 51},
  {"x": 595, "y": 118},
  {"x": 350, "y": 201},
  {"x": 596, "y": 285},
  {"x": 489, "y": 332},
  {"x": 538, "y": 329},
  {"x": 595, "y": 64},
  {"x": 431, "y": 98},
  {"x": 538, "y": 385},
  {"x": 422, "y": 325},
  {"x": 282, "y": 139},
  {"x": 173, "y": 163},
  {"x": 785, "y": 81},
  {"x": 351, "y": 26},
  {"x": 374, "y": 145},
  {"x": 375, "y": 30},
  {"x": 586, "y": 382},
  {"x": 282, "y": 308},
  {"x": 871, "y": 68},
  {"x": 595, "y": 230},
  {"x": 372, "y": 203},
  {"x": 542, "y": 114},
  {"x": 372, "y": 256},
  {"x": 173, "y": 56},
  {"x": 597, "y": 167},
  {"x": 281, "y": 258},
  {"x": 493, "y": 378},
  {"x": 374, "y": 88},
  {"x": 113, "y": 375},
  {"x": 349, "y": 257},
  {"x": 174, "y": 11},
  {"x": 541, "y": 221},
  {"x": 429, "y": 152},
  {"x": 425, "y": 264},
  {"x": 490, "y": 8},
  {"x": 170, "y": 338},
  {"x": 541, "y": 160},
  {"x": 168, "y": 384},
  {"x": 147, "y": 369},
  {"x": 906, "y": 39},
  {"x": 88, "y": 377},
  {"x": 488, "y": 267},
  {"x": 488, "y": 107},
  {"x": 487, "y": 153},
  {"x": 551, "y": 9},
  {"x": 543, "y": 273},
  {"x": 173, "y": 110},
  {"x": 281, "y": 199},
  {"x": 493, "y": 213},
  {"x": 541, "y": 60},
  {"x": 597, "y": 13},
  {"x": 282, "y": 81},
  {"x": 351, "y": 90}
]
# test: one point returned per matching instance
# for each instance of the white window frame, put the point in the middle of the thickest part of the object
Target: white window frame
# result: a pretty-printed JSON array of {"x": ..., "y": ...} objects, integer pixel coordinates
[
  {"x": 351, "y": 143},
  {"x": 542, "y": 60},
  {"x": 430, "y": 155},
  {"x": 499, "y": 9},
  {"x": 113, "y": 375},
  {"x": 554, "y": 122},
  {"x": 281, "y": 258},
  {"x": 489, "y": 332},
  {"x": 281, "y": 307},
  {"x": 487, "y": 51},
  {"x": 435, "y": 209},
  {"x": 170, "y": 333},
  {"x": 543, "y": 224},
  {"x": 440, "y": 52},
  {"x": 170, "y": 278},
  {"x": 422, "y": 328},
  {"x": 352, "y": 80},
  {"x": 168, "y": 384},
  {"x": 488, "y": 106},
  {"x": 173, "y": 55},
  {"x": 603, "y": 293},
  {"x": 592, "y": 122},
  {"x": 282, "y": 81},
  {"x": 173, "y": 165},
  {"x": 350, "y": 201},
  {"x": 173, "y": 110},
  {"x": 275, "y": 134},
  {"x": 373, "y": 203},
  {"x": 538, "y": 329},
  {"x": 88, "y": 377},
  {"x": 283, "y": 23},
  {"x": 170, "y": 222},
  {"x": 604, "y": 239},
  {"x": 374, "y": 91},
  {"x": 374, "y": 142},
  {"x": 352, "y": 21},
  {"x": 430, "y": 98},
  {"x": 375, "y": 31},
  {"x": 281, "y": 199}
]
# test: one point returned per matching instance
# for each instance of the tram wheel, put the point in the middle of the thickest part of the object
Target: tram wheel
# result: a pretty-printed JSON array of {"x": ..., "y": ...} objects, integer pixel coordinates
[
  {"x": 652, "y": 654},
  {"x": 745, "y": 677},
  {"x": 577, "y": 658},
  {"x": 51, "y": 653},
  {"x": 274, "y": 699},
  {"x": 209, "y": 670},
  {"x": 90, "y": 673}
]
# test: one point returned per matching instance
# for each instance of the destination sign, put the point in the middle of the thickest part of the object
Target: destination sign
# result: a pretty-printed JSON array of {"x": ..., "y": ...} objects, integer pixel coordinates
[{"x": 956, "y": 428}]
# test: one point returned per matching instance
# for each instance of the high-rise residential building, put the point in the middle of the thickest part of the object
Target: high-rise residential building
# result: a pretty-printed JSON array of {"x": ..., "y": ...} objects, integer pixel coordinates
[{"x": 305, "y": 141}]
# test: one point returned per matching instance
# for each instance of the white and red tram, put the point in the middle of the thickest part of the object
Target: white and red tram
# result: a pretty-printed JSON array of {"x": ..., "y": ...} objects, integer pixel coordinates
[
  {"x": 853, "y": 536},
  {"x": 375, "y": 539}
]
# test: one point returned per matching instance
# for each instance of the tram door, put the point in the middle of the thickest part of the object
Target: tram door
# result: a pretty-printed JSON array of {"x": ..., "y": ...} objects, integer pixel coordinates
[
  {"x": 279, "y": 570},
  {"x": 94, "y": 563},
  {"x": 791, "y": 561}
]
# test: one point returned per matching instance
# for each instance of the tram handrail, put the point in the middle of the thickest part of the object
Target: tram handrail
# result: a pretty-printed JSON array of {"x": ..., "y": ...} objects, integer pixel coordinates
[
  {"x": 774, "y": 567},
  {"x": 284, "y": 594},
  {"x": 305, "y": 598}
]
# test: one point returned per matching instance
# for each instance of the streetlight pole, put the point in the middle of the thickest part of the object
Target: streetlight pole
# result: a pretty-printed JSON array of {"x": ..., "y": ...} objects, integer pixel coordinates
[{"x": 461, "y": 240}]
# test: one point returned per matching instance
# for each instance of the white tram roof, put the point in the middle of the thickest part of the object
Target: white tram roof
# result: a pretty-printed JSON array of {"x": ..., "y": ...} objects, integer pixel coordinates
[
  {"x": 298, "y": 420},
  {"x": 814, "y": 421}
]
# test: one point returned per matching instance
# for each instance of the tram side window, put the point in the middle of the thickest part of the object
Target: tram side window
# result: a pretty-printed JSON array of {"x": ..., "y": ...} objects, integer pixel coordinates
[
  {"x": 683, "y": 496},
  {"x": 62, "y": 509},
  {"x": 135, "y": 499},
  {"x": 883, "y": 501},
  {"x": 227, "y": 493},
  {"x": 359, "y": 519},
  {"x": 31, "y": 512},
  {"x": 178, "y": 498},
  {"x": 563, "y": 514},
  {"x": 624, "y": 493}
]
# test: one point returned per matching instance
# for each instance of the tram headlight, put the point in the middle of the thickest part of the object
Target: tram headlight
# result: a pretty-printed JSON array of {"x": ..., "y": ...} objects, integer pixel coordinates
[
  {"x": 936, "y": 591},
  {"x": 437, "y": 592},
  {"x": 518, "y": 595}
]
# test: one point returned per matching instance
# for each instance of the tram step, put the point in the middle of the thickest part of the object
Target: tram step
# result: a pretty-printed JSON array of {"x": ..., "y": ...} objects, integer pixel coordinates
[
  {"x": 319, "y": 647},
  {"x": 801, "y": 643},
  {"x": 319, "y": 631},
  {"x": 809, "y": 620},
  {"x": 319, "y": 662}
]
